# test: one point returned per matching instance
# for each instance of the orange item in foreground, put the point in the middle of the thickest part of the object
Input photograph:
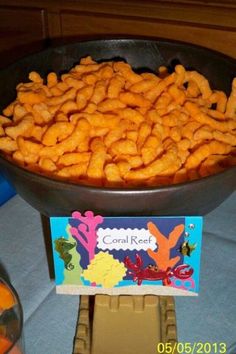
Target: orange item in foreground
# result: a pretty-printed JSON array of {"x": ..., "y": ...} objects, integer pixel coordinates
[
  {"x": 5, "y": 344},
  {"x": 7, "y": 299}
]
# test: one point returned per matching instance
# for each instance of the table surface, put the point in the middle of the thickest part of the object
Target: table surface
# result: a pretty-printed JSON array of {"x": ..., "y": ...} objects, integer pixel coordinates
[{"x": 50, "y": 319}]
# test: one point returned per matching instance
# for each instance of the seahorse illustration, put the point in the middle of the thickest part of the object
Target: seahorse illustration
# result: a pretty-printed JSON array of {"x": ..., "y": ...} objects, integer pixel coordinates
[{"x": 62, "y": 246}]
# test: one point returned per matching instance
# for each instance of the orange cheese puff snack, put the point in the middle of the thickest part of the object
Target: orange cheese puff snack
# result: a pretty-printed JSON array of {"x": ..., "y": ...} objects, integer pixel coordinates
[
  {"x": 110, "y": 104},
  {"x": 192, "y": 89},
  {"x": 203, "y": 118},
  {"x": 77, "y": 170},
  {"x": 97, "y": 131},
  {"x": 201, "y": 82},
  {"x": 162, "y": 71},
  {"x": 113, "y": 136},
  {"x": 159, "y": 131},
  {"x": 184, "y": 144},
  {"x": 31, "y": 97},
  {"x": 35, "y": 77},
  {"x": 131, "y": 114},
  {"x": 52, "y": 79},
  {"x": 23, "y": 128},
  {"x": 144, "y": 131},
  {"x": 75, "y": 83},
  {"x": 57, "y": 132},
  {"x": 153, "y": 116},
  {"x": 18, "y": 157},
  {"x": 86, "y": 68},
  {"x": 47, "y": 165},
  {"x": 125, "y": 70},
  {"x": 188, "y": 129},
  {"x": 193, "y": 174},
  {"x": 175, "y": 134},
  {"x": 112, "y": 173},
  {"x": 211, "y": 165},
  {"x": 143, "y": 86},
  {"x": 105, "y": 72},
  {"x": 90, "y": 79},
  {"x": 171, "y": 170},
  {"x": 226, "y": 138},
  {"x": 154, "y": 168},
  {"x": 4, "y": 121},
  {"x": 180, "y": 74},
  {"x": 97, "y": 161},
  {"x": 19, "y": 112},
  {"x": 99, "y": 93},
  {"x": 134, "y": 99},
  {"x": 183, "y": 155},
  {"x": 132, "y": 135},
  {"x": 61, "y": 117},
  {"x": 123, "y": 146},
  {"x": 220, "y": 98},
  {"x": 134, "y": 161},
  {"x": 203, "y": 133},
  {"x": 74, "y": 158},
  {"x": 177, "y": 94},
  {"x": 215, "y": 114},
  {"x": 28, "y": 147},
  {"x": 80, "y": 133},
  {"x": 87, "y": 60},
  {"x": 8, "y": 111},
  {"x": 151, "y": 149},
  {"x": 41, "y": 113},
  {"x": 180, "y": 176},
  {"x": 115, "y": 86},
  {"x": 59, "y": 100},
  {"x": 102, "y": 120},
  {"x": 160, "y": 87},
  {"x": 170, "y": 120},
  {"x": 200, "y": 154},
  {"x": 69, "y": 107},
  {"x": 231, "y": 104},
  {"x": 90, "y": 108}
]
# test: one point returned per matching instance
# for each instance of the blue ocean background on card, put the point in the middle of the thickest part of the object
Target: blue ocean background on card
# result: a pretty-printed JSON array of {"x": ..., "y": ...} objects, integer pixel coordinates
[{"x": 111, "y": 252}]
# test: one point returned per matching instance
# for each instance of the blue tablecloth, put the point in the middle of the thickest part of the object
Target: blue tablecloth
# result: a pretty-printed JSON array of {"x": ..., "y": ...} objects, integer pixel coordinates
[{"x": 50, "y": 319}]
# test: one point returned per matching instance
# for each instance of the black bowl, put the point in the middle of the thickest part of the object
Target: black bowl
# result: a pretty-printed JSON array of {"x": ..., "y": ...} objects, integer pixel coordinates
[{"x": 52, "y": 197}]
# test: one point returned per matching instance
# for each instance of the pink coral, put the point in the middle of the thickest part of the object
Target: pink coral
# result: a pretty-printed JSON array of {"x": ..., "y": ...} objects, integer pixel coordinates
[{"x": 88, "y": 238}]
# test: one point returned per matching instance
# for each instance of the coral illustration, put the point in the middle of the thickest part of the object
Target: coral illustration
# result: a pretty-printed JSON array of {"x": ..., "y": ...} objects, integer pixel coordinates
[
  {"x": 162, "y": 256},
  {"x": 105, "y": 270},
  {"x": 85, "y": 232}
]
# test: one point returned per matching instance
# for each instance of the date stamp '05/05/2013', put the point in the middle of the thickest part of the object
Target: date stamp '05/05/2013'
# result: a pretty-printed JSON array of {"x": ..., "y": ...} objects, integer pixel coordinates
[{"x": 192, "y": 348}]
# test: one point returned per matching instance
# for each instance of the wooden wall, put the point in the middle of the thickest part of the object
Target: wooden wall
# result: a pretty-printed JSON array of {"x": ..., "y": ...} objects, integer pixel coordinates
[{"x": 26, "y": 26}]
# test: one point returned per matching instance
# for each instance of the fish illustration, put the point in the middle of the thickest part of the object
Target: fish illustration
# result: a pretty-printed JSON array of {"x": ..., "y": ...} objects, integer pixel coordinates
[{"x": 186, "y": 248}]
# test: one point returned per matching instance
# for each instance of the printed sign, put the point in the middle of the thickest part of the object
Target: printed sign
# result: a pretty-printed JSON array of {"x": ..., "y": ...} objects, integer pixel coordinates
[{"x": 126, "y": 255}]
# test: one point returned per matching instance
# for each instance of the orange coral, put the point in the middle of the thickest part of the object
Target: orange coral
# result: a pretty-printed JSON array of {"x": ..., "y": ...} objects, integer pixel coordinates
[{"x": 165, "y": 244}]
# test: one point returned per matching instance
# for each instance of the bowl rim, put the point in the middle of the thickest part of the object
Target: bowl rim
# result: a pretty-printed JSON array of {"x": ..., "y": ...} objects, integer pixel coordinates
[
  {"x": 61, "y": 184},
  {"x": 67, "y": 42}
]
